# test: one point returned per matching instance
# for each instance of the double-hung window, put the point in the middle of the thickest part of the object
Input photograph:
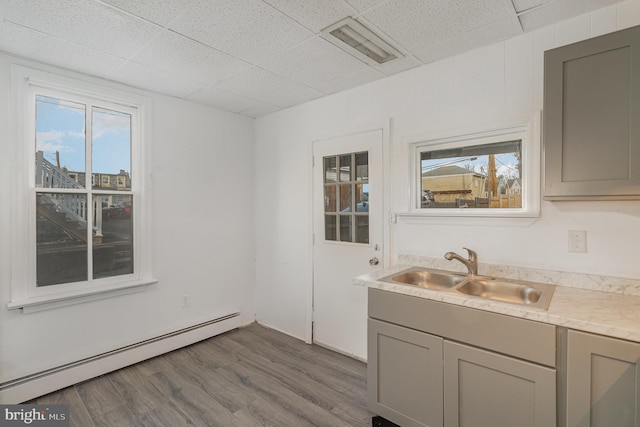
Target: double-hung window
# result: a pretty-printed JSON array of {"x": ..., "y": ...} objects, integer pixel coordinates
[{"x": 80, "y": 199}]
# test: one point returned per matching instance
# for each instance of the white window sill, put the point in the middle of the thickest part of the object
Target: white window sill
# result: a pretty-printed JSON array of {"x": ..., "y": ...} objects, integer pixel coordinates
[
  {"x": 48, "y": 302},
  {"x": 466, "y": 217}
]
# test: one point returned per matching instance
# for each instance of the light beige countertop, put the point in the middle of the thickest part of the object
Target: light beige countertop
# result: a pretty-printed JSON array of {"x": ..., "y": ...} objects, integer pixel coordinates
[{"x": 593, "y": 308}]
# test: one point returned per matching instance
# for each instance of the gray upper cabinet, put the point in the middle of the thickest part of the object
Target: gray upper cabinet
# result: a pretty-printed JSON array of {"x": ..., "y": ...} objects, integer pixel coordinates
[{"x": 592, "y": 118}]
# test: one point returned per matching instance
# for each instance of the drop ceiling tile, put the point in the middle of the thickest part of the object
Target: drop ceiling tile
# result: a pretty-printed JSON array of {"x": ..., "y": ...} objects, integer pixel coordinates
[
  {"x": 251, "y": 30},
  {"x": 224, "y": 100},
  {"x": 178, "y": 55},
  {"x": 88, "y": 23},
  {"x": 314, "y": 15},
  {"x": 313, "y": 62},
  {"x": 489, "y": 34},
  {"x": 27, "y": 43},
  {"x": 522, "y": 5},
  {"x": 157, "y": 81},
  {"x": 417, "y": 24},
  {"x": 160, "y": 12},
  {"x": 269, "y": 88},
  {"x": 260, "y": 110},
  {"x": 349, "y": 81},
  {"x": 559, "y": 11},
  {"x": 362, "y": 5}
]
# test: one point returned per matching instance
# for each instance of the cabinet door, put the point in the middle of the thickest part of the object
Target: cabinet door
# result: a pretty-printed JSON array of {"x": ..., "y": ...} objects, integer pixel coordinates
[
  {"x": 482, "y": 389},
  {"x": 603, "y": 381},
  {"x": 591, "y": 126},
  {"x": 404, "y": 375}
]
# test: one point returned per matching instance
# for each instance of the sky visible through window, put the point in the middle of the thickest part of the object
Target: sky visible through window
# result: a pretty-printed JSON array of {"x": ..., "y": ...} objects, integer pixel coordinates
[
  {"x": 60, "y": 127},
  {"x": 506, "y": 164}
]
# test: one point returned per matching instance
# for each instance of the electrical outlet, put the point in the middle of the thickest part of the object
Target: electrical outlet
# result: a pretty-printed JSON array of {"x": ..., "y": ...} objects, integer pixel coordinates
[
  {"x": 578, "y": 241},
  {"x": 185, "y": 301}
]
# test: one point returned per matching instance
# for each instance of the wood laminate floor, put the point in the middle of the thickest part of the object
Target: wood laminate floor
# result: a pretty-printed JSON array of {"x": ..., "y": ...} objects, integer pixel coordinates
[{"x": 252, "y": 376}]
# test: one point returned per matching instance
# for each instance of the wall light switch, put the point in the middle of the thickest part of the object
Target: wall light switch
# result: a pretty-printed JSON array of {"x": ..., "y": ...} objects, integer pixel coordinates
[{"x": 578, "y": 241}]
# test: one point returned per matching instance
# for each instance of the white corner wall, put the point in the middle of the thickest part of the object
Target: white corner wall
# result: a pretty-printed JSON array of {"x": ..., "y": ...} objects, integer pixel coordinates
[
  {"x": 202, "y": 231},
  {"x": 481, "y": 87}
]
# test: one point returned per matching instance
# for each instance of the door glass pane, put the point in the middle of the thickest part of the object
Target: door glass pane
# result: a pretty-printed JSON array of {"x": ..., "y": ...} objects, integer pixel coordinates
[
  {"x": 345, "y": 168},
  {"x": 345, "y": 228},
  {"x": 330, "y": 165},
  {"x": 349, "y": 197},
  {"x": 330, "y": 230},
  {"x": 60, "y": 143},
  {"x": 362, "y": 166},
  {"x": 111, "y": 149},
  {"x": 330, "y": 198},
  {"x": 345, "y": 198},
  {"x": 113, "y": 244},
  {"x": 362, "y": 196},
  {"x": 362, "y": 229},
  {"x": 61, "y": 238}
]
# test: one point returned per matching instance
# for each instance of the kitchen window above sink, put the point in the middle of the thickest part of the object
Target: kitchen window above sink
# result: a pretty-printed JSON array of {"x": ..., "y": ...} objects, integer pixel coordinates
[{"x": 492, "y": 173}]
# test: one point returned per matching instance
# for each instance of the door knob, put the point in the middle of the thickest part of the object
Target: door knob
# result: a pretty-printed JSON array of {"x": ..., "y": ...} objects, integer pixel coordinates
[{"x": 374, "y": 261}]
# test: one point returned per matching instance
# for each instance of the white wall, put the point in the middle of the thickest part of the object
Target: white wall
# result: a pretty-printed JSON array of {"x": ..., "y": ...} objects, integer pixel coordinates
[
  {"x": 202, "y": 231},
  {"x": 481, "y": 87}
]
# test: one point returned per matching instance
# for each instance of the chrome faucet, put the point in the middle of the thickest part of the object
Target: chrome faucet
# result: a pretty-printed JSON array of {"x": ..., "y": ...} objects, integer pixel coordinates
[{"x": 471, "y": 263}]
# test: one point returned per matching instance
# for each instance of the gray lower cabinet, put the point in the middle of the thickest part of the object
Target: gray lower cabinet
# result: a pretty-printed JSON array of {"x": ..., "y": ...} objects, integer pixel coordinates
[
  {"x": 404, "y": 375},
  {"x": 483, "y": 388},
  {"x": 602, "y": 381},
  {"x": 436, "y": 364}
]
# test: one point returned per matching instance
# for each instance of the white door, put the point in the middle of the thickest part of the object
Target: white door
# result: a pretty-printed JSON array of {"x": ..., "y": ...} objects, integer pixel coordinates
[{"x": 348, "y": 231}]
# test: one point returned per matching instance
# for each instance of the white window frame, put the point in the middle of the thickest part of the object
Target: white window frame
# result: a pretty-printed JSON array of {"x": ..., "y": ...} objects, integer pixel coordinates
[
  {"x": 25, "y": 295},
  {"x": 528, "y": 131}
]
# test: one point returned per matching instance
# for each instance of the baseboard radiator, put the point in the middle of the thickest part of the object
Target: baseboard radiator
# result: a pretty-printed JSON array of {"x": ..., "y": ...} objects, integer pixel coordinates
[{"x": 29, "y": 387}]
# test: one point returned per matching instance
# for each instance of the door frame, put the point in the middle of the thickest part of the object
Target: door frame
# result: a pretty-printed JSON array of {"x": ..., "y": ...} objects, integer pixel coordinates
[{"x": 385, "y": 126}]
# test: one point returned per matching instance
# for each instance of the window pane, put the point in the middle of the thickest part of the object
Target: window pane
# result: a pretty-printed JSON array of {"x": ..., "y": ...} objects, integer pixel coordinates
[
  {"x": 61, "y": 238},
  {"x": 330, "y": 165},
  {"x": 113, "y": 250},
  {"x": 345, "y": 197},
  {"x": 330, "y": 198},
  {"x": 60, "y": 143},
  {"x": 362, "y": 229},
  {"x": 362, "y": 166},
  {"x": 345, "y": 167},
  {"x": 345, "y": 228},
  {"x": 362, "y": 196},
  {"x": 111, "y": 149},
  {"x": 478, "y": 176},
  {"x": 330, "y": 227}
]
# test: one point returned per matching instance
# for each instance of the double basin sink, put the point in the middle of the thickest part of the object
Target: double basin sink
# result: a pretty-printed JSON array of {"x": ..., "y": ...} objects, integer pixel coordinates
[{"x": 536, "y": 295}]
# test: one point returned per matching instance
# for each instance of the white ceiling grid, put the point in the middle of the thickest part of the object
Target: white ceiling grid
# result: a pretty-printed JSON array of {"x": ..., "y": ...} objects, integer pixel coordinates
[{"x": 255, "y": 57}]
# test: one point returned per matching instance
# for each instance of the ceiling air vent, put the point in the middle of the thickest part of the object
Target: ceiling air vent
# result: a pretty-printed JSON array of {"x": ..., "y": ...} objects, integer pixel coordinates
[{"x": 356, "y": 39}]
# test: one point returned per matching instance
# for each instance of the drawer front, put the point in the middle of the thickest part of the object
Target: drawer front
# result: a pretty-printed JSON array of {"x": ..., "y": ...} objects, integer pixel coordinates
[{"x": 524, "y": 339}]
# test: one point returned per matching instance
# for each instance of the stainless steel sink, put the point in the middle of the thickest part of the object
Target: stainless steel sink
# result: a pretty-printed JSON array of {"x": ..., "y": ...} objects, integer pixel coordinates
[
  {"x": 514, "y": 292},
  {"x": 536, "y": 295},
  {"x": 426, "y": 278}
]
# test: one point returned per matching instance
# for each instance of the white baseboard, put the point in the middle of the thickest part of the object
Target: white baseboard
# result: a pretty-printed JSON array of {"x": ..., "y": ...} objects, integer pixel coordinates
[
  {"x": 28, "y": 388},
  {"x": 340, "y": 351}
]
